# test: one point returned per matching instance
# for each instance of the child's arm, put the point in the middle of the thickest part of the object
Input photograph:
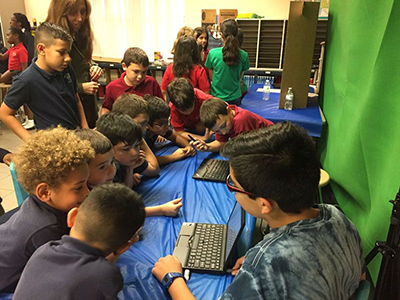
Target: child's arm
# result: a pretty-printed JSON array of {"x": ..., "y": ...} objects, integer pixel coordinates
[
  {"x": 179, "y": 154},
  {"x": 178, "y": 289},
  {"x": 214, "y": 146},
  {"x": 153, "y": 169},
  {"x": 104, "y": 111},
  {"x": 169, "y": 209},
  {"x": 81, "y": 112},
  {"x": 207, "y": 135},
  {"x": 4, "y": 56},
  {"x": 7, "y": 115}
]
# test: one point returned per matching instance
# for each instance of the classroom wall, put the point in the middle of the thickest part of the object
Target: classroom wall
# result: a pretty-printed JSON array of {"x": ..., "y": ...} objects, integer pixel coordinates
[
  {"x": 6, "y": 11},
  {"x": 37, "y": 9},
  {"x": 270, "y": 9},
  {"x": 361, "y": 95}
]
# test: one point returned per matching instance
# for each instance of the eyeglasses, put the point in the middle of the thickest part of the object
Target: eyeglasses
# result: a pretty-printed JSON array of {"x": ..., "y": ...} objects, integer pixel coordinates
[
  {"x": 232, "y": 188},
  {"x": 161, "y": 124}
]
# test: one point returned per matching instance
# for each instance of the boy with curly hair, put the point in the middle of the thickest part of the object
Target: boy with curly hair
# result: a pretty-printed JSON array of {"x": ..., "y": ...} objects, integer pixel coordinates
[{"x": 52, "y": 167}]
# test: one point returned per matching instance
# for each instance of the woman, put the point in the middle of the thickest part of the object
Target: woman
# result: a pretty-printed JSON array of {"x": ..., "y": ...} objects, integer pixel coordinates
[{"x": 74, "y": 16}]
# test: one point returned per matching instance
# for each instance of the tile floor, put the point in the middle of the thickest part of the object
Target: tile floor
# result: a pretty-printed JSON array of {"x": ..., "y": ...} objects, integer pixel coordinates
[{"x": 11, "y": 142}]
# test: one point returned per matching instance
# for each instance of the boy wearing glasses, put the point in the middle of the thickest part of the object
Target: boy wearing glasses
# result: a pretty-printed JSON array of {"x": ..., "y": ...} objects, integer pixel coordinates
[
  {"x": 157, "y": 127},
  {"x": 227, "y": 121},
  {"x": 107, "y": 223},
  {"x": 311, "y": 252}
]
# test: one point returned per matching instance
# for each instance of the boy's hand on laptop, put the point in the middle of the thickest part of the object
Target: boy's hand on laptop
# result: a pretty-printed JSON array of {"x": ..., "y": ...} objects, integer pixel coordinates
[
  {"x": 95, "y": 73},
  {"x": 189, "y": 151},
  {"x": 237, "y": 265},
  {"x": 90, "y": 88},
  {"x": 166, "y": 265},
  {"x": 171, "y": 208},
  {"x": 200, "y": 145},
  {"x": 136, "y": 179}
]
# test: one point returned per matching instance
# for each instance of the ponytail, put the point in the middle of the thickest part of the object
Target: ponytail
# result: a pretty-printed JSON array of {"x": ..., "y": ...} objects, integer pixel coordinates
[{"x": 231, "y": 49}]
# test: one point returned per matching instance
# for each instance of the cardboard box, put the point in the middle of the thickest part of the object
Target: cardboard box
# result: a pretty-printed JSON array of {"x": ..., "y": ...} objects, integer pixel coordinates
[
  {"x": 208, "y": 16},
  {"x": 299, "y": 50},
  {"x": 225, "y": 14}
]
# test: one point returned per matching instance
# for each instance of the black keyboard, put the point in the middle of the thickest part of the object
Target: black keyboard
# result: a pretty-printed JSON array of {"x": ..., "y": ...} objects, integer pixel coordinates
[
  {"x": 217, "y": 169},
  {"x": 206, "y": 250}
]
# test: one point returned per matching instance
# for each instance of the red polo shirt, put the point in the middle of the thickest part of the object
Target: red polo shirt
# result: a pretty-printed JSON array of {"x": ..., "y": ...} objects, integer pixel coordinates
[
  {"x": 198, "y": 78},
  {"x": 180, "y": 121},
  {"x": 16, "y": 56},
  {"x": 118, "y": 87},
  {"x": 243, "y": 121}
]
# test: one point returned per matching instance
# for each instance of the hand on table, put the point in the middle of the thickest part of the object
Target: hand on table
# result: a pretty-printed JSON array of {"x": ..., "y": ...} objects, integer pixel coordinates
[
  {"x": 171, "y": 208},
  {"x": 160, "y": 139},
  {"x": 200, "y": 145},
  {"x": 166, "y": 265}
]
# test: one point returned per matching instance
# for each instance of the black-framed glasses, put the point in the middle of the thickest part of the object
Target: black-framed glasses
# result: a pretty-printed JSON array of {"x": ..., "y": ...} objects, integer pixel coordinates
[
  {"x": 161, "y": 123},
  {"x": 231, "y": 186}
]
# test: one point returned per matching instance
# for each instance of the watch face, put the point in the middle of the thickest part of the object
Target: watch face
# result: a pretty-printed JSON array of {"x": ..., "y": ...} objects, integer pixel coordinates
[{"x": 165, "y": 279}]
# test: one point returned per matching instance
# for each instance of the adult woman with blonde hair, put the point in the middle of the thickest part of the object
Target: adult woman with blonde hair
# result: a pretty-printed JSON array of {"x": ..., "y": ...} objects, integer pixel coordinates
[{"x": 74, "y": 16}]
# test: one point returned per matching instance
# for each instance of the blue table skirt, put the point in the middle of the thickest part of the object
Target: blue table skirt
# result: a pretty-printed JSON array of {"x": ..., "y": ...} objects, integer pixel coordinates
[{"x": 309, "y": 117}]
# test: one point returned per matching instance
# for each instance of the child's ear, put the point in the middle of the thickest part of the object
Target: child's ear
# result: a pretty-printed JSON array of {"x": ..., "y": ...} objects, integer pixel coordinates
[
  {"x": 266, "y": 205},
  {"x": 124, "y": 67},
  {"x": 71, "y": 217},
  {"x": 43, "y": 192},
  {"x": 41, "y": 48}
]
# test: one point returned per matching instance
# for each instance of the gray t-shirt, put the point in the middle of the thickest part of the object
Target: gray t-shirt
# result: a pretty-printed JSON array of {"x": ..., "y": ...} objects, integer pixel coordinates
[{"x": 317, "y": 258}]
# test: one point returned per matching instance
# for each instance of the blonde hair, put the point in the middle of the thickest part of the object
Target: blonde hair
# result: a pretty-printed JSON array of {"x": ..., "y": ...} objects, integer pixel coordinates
[
  {"x": 49, "y": 156},
  {"x": 57, "y": 14},
  {"x": 184, "y": 31}
]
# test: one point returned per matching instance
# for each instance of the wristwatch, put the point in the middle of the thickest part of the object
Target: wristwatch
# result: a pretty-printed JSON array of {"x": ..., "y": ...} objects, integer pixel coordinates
[{"x": 169, "y": 278}]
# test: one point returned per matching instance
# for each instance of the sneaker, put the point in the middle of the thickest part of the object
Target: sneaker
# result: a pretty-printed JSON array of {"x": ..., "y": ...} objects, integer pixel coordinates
[
  {"x": 24, "y": 123},
  {"x": 29, "y": 124}
]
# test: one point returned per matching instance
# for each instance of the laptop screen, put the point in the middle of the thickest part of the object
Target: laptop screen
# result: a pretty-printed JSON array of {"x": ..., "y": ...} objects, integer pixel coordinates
[{"x": 234, "y": 225}]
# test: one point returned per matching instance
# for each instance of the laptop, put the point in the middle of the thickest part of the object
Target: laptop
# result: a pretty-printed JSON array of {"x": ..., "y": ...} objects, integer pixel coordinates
[
  {"x": 212, "y": 170},
  {"x": 210, "y": 248}
]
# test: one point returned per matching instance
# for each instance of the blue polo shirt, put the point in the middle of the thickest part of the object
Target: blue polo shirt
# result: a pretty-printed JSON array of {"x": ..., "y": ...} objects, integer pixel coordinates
[
  {"x": 69, "y": 269},
  {"x": 35, "y": 224},
  {"x": 51, "y": 97}
]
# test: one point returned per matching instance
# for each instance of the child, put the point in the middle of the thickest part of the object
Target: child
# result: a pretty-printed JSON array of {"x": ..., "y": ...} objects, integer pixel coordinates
[
  {"x": 17, "y": 55},
  {"x": 184, "y": 31},
  {"x": 185, "y": 108},
  {"x": 201, "y": 37},
  {"x": 19, "y": 20},
  {"x": 311, "y": 252},
  {"x": 134, "y": 80},
  {"x": 52, "y": 168},
  {"x": 136, "y": 108},
  {"x": 75, "y": 267},
  {"x": 227, "y": 121},
  {"x": 126, "y": 138},
  {"x": 157, "y": 126},
  {"x": 187, "y": 63},
  {"x": 227, "y": 65},
  {"x": 48, "y": 86},
  {"x": 102, "y": 170}
]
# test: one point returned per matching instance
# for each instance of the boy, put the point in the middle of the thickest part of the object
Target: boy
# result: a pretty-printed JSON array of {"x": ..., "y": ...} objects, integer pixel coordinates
[
  {"x": 136, "y": 108},
  {"x": 134, "y": 80},
  {"x": 48, "y": 86},
  {"x": 108, "y": 222},
  {"x": 185, "y": 108},
  {"x": 227, "y": 121},
  {"x": 157, "y": 126},
  {"x": 52, "y": 168},
  {"x": 311, "y": 252},
  {"x": 102, "y": 170},
  {"x": 126, "y": 138}
]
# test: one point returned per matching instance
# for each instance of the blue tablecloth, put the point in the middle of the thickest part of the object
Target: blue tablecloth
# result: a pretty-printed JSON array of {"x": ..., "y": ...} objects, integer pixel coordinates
[{"x": 309, "y": 117}]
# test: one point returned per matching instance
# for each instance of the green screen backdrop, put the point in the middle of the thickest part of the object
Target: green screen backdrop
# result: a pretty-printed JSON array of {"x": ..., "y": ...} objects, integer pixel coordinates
[{"x": 360, "y": 147}]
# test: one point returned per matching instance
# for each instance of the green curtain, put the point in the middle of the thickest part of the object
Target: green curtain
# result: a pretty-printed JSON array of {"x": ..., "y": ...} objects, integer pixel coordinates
[{"x": 360, "y": 147}]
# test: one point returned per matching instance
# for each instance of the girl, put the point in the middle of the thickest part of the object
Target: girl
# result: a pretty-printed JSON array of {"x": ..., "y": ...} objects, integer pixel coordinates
[
  {"x": 74, "y": 16},
  {"x": 184, "y": 31},
  {"x": 17, "y": 55},
  {"x": 187, "y": 63},
  {"x": 202, "y": 40},
  {"x": 20, "y": 21},
  {"x": 227, "y": 65}
]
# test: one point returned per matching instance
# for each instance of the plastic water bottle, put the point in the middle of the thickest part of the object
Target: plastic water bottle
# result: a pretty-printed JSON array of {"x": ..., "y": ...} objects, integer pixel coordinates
[
  {"x": 266, "y": 90},
  {"x": 289, "y": 99}
]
